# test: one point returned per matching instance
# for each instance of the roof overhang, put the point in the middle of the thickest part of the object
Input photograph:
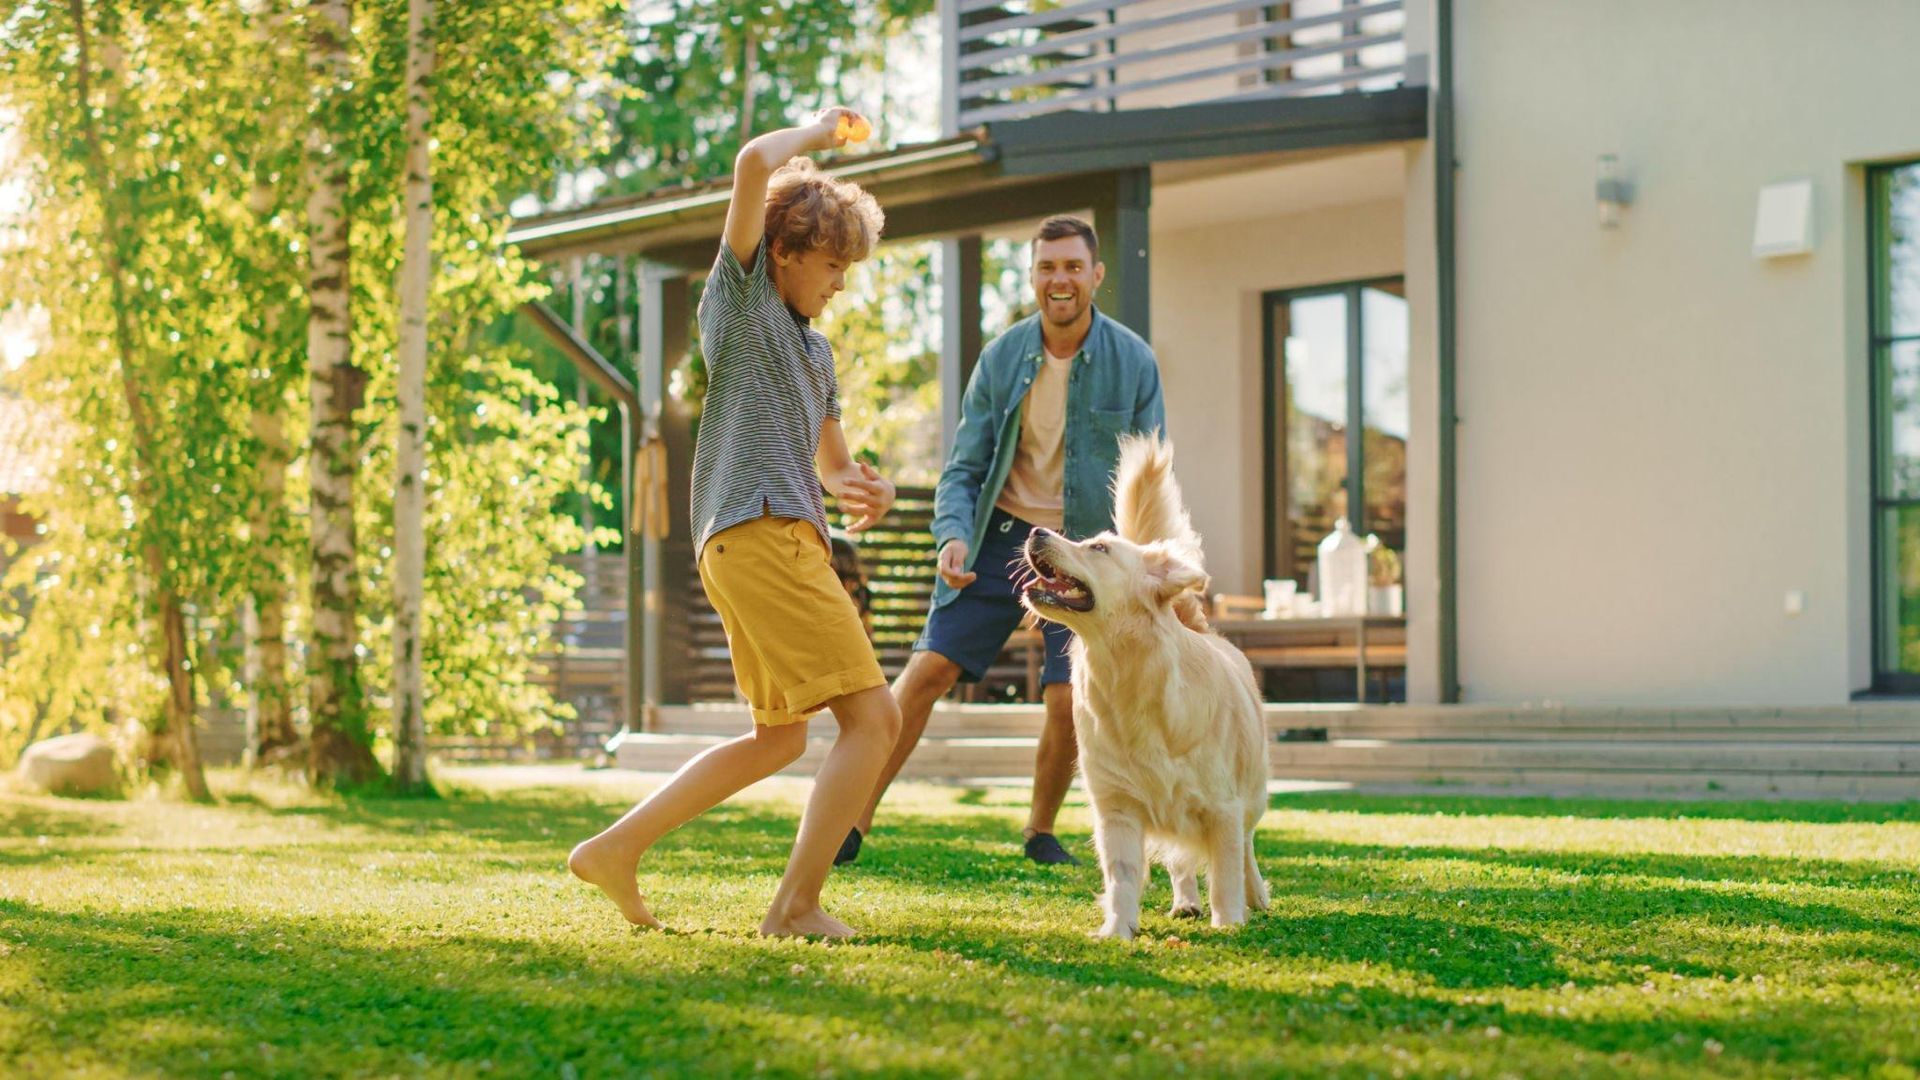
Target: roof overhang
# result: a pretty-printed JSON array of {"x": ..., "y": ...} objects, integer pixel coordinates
[
  {"x": 1081, "y": 142},
  {"x": 1008, "y": 171}
]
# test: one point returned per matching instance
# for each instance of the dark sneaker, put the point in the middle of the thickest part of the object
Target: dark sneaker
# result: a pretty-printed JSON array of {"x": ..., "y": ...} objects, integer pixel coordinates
[
  {"x": 849, "y": 848},
  {"x": 1044, "y": 848}
]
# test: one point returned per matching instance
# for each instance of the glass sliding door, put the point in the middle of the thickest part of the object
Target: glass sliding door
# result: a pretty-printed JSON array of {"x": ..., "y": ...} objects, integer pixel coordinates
[
  {"x": 1336, "y": 364},
  {"x": 1894, "y": 308},
  {"x": 1383, "y": 336}
]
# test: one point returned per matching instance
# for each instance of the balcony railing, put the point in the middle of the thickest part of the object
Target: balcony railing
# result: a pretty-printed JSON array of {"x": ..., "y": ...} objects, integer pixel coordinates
[{"x": 1007, "y": 59}]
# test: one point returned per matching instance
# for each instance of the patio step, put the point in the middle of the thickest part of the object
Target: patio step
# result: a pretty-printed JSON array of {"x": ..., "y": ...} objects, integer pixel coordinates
[
  {"x": 1842, "y": 752},
  {"x": 1853, "y": 723},
  {"x": 953, "y": 758}
]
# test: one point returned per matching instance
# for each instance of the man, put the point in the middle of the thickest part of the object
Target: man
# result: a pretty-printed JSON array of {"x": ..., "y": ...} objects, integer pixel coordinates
[{"x": 1036, "y": 447}]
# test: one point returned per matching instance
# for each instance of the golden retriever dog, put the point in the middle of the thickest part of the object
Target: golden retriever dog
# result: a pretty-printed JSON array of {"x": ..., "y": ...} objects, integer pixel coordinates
[{"x": 1172, "y": 740}]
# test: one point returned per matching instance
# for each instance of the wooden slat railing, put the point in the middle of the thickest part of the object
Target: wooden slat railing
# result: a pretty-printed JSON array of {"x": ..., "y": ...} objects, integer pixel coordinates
[{"x": 1009, "y": 59}]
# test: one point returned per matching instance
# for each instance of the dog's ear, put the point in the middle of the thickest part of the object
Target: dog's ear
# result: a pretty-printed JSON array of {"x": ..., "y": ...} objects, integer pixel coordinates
[{"x": 1170, "y": 572}]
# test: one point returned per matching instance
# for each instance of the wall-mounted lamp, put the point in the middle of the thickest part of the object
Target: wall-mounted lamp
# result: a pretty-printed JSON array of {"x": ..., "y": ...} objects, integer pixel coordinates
[{"x": 1611, "y": 192}]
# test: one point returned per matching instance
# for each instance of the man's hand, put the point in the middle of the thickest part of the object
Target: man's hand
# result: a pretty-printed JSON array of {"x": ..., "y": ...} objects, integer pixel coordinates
[
  {"x": 953, "y": 564},
  {"x": 863, "y": 491}
]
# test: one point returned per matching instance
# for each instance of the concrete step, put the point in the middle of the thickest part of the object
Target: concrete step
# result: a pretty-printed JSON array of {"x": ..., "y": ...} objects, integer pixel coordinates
[
  {"x": 1876, "y": 771},
  {"x": 1747, "y": 735},
  {"x": 1626, "y": 785},
  {"x": 949, "y": 720},
  {"x": 953, "y": 758},
  {"x": 1843, "y": 752},
  {"x": 1402, "y": 723},
  {"x": 1339, "y": 756}
]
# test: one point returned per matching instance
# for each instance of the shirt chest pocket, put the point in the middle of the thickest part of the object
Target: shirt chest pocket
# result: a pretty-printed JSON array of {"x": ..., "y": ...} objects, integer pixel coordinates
[{"x": 1112, "y": 421}]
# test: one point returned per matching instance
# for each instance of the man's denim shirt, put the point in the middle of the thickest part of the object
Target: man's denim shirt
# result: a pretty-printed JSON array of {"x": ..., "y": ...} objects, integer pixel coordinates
[{"x": 1113, "y": 389}]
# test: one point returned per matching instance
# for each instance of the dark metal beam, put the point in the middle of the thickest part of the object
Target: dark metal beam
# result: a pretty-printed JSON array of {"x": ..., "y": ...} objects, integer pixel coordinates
[
  {"x": 960, "y": 282},
  {"x": 964, "y": 212},
  {"x": 1120, "y": 217},
  {"x": 1080, "y": 142},
  {"x": 583, "y": 356},
  {"x": 1447, "y": 348},
  {"x": 663, "y": 340}
]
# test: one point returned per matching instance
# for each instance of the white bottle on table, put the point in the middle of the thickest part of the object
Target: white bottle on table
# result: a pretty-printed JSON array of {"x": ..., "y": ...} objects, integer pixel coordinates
[{"x": 1343, "y": 572}]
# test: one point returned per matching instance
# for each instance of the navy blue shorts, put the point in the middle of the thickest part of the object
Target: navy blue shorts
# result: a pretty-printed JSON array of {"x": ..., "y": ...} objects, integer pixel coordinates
[{"x": 974, "y": 626}]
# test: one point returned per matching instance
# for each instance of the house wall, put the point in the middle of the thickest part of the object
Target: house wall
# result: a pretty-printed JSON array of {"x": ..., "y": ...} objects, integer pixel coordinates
[{"x": 1660, "y": 436}]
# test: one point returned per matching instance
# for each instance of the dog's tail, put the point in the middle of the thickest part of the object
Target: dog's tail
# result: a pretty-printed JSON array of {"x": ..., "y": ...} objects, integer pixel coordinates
[{"x": 1147, "y": 506}]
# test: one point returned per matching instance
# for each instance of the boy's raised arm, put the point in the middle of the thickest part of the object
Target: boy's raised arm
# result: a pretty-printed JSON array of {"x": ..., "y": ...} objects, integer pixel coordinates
[{"x": 756, "y": 162}]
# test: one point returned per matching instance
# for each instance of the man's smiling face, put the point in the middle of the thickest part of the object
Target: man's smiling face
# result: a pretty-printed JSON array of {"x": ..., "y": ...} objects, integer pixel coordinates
[{"x": 1065, "y": 275}]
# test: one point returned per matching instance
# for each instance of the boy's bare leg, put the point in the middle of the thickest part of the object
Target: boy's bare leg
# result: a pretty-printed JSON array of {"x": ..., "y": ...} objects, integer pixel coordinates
[
  {"x": 1053, "y": 765},
  {"x": 869, "y": 724},
  {"x": 611, "y": 859},
  {"x": 925, "y": 680}
]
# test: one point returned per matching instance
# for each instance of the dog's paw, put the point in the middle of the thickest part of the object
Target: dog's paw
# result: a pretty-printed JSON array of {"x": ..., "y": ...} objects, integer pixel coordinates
[
  {"x": 1186, "y": 911},
  {"x": 1225, "y": 921},
  {"x": 1115, "y": 930}
]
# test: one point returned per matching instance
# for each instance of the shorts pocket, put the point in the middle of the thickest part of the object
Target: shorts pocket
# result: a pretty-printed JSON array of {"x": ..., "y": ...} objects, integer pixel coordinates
[{"x": 806, "y": 540}]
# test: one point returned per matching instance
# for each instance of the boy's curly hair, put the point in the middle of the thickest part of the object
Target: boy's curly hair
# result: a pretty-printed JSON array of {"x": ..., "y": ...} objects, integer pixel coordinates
[{"x": 809, "y": 210}]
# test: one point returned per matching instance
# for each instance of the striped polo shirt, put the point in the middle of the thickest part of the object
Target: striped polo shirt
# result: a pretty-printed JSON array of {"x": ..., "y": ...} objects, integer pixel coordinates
[{"x": 770, "y": 385}]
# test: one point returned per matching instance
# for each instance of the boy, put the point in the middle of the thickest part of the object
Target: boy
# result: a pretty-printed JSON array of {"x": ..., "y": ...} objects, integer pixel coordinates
[{"x": 770, "y": 437}]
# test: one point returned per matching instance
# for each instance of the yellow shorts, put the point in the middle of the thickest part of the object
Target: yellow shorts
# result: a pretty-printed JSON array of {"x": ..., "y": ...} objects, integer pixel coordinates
[{"x": 794, "y": 633}]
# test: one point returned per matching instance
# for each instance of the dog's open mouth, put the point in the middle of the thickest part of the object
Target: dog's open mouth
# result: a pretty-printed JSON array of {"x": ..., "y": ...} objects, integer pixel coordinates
[{"x": 1052, "y": 588}]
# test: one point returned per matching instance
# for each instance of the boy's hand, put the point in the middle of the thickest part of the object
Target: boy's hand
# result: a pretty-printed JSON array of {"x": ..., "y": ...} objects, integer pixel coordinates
[
  {"x": 837, "y": 125},
  {"x": 863, "y": 491},
  {"x": 953, "y": 564}
]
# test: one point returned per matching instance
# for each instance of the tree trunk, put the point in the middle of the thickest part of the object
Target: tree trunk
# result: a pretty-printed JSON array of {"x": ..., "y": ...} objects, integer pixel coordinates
[
  {"x": 749, "y": 62},
  {"x": 273, "y": 733},
  {"x": 270, "y": 732},
  {"x": 409, "y": 500},
  {"x": 173, "y": 737},
  {"x": 341, "y": 743}
]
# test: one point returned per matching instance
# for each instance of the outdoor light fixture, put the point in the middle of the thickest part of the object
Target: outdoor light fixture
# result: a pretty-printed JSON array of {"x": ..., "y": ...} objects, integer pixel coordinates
[{"x": 1610, "y": 192}]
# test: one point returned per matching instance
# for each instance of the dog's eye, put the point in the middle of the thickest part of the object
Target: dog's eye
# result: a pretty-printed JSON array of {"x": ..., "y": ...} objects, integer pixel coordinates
[{"x": 1101, "y": 548}]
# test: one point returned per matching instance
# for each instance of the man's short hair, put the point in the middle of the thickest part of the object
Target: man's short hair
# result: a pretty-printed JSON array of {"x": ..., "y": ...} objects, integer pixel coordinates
[
  {"x": 808, "y": 210},
  {"x": 1061, "y": 226}
]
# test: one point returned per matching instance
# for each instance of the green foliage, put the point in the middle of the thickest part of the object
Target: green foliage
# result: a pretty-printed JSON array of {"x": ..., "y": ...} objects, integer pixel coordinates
[
  {"x": 680, "y": 119},
  {"x": 888, "y": 366},
  {"x": 281, "y": 935},
  {"x": 674, "y": 116},
  {"x": 205, "y": 116},
  {"x": 172, "y": 484}
]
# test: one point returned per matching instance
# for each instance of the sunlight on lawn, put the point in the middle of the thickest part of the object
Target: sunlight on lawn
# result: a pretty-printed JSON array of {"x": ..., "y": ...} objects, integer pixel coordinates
[{"x": 281, "y": 933}]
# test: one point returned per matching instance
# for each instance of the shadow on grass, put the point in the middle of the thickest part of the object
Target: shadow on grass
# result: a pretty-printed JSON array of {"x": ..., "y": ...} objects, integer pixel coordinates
[
  {"x": 186, "y": 992},
  {"x": 1546, "y": 806},
  {"x": 19, "y": 819},
  {"x": 174, "y": 992}
]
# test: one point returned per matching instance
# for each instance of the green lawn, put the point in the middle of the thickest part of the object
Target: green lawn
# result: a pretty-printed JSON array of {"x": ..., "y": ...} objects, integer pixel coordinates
[{"x": 281, "y": 934}]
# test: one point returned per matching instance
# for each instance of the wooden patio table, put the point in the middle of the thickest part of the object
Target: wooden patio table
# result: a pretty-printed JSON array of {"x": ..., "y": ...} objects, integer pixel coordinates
[{"x": 1271, "y": 642}]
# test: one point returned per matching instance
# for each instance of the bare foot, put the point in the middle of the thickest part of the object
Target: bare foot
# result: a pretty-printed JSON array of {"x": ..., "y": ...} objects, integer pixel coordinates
[
  {"x": 815, "y": 923},
  {"x": 613, "y": 878}
]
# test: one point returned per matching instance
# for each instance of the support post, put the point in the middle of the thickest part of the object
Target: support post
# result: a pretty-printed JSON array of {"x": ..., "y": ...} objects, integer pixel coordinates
[
  {"x": 960, "y": 281},
  {"x": 663, "y": 337},
  {"x": 1121, "y": 219}
]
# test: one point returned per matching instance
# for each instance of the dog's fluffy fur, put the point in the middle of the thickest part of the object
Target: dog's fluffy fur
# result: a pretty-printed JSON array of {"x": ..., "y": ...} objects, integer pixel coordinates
[{"x": 1172, "y": 742}]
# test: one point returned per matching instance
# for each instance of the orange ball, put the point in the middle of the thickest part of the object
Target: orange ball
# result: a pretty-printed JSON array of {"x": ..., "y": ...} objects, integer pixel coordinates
[{"x": 853, "y": 129}]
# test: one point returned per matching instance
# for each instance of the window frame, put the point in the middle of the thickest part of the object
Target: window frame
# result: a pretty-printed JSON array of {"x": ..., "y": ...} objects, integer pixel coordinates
[
  {"x": 1272, "y": 304},
  {"x": 1881, "y": 505}
]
